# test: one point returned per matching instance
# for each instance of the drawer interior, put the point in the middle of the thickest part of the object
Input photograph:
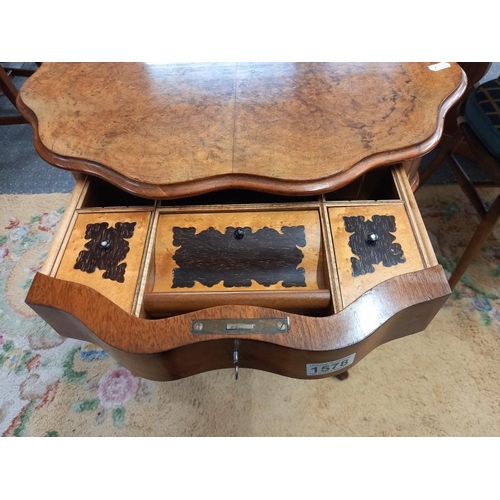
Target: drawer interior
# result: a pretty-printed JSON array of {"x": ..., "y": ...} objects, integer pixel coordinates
[
  {"x": 309, "y": 255},
  {"x": 375, "y": 185},
  {"x": 246, "y": 255},
  {"x": 105, "y": 250},
  {"x": 372, "y": 243},
  {"x": 100, "y": 194}
]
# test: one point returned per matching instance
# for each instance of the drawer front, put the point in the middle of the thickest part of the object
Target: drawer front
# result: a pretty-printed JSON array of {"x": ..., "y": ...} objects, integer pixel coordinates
[
  {"x": 372, "y": 244},
  {"x": 304, "y": 265},
  {"x": 240, "y": 251},
  {"x": 301, "y": 259},
  {"x": 105, "y": 252}
]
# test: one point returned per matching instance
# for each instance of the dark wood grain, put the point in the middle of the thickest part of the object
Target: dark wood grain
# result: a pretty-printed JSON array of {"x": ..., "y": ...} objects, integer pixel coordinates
[
  {"x": 368, "y": 252},
  {"x": 200, "y": 251},
  {"x": 353, "y": 284},
  {"x": 8, "y": 88},
  {"x": 107, "y": 248},
  {"x": 286, "y": 128},
  {"x": 238, "y": 256},
  {"x": 165, "y": 349}
]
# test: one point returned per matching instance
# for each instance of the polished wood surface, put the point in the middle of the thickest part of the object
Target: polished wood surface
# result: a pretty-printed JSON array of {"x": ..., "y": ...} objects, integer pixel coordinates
[
  {"x": 312, "y": 261},
  {"x": 163, "y": 304},
  {"x": 351, "y": 286},
  {"x": 167, "y": 131},
  {"x": 165, "y": 299},
  {"x": 180, "y": 130},
  {"x": 165, "y": 349},
  {"x": 60, "y": 239}
]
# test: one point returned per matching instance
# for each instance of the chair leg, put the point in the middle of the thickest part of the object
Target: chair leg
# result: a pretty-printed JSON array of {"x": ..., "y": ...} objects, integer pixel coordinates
[
  {"x": 10, "y": 91},
  {"x": 466, "y": 185},
  {"x": 446, "y": 148},
  {"x": 12, "y": 120},
  {"x": 480, "y": 236},
  {"x": 7, "y": 86},
  {"x": 19, "y": 71}
]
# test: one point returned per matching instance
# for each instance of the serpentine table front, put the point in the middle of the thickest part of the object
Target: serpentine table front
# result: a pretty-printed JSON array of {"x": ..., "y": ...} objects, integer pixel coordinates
[{"x": 240, "y": 215}]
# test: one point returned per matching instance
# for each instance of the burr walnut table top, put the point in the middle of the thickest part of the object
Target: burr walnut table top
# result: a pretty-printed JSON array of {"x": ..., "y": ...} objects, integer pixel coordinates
[{"x": 172, "y": 130}]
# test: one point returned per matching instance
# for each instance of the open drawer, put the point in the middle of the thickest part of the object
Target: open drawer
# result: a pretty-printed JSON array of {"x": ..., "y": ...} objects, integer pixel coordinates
[
  {"x": 174, "y": 288},
  {"x": 267, "y": 258}
]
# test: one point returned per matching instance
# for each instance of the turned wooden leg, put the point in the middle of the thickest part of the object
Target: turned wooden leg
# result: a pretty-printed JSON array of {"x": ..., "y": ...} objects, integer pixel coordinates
[
  {"x": 343, "y": 375},
  {"x": 482, "y": 232}
]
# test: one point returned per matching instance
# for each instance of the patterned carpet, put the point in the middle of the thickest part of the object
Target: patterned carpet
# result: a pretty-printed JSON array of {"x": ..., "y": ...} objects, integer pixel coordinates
[{"x": 441, "y": 382}]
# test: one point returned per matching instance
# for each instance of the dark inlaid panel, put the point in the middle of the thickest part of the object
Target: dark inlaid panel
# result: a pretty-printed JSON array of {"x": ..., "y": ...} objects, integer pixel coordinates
[
  {"x": 238, "y": 255},
  {"x": 372, "y": 242},
  {"x": 106, "y": 249}
]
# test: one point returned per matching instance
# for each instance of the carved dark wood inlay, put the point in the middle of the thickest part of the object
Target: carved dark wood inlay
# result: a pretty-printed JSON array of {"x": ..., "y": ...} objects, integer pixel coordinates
[
  {"x": 372, "y": 243},
  {"x": 106, "y": 249},
  {"x": 239, "y": 256}
]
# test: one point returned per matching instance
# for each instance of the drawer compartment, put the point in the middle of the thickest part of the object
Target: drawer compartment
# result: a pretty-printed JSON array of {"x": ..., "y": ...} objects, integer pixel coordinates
[
  {"x": 294, "y": 257},
  {"x": 253, "y": 258},
  {"x": 372, "y": 243},
  {"x": 187, "y": 263},
  {"x": 104, "y": 251}
]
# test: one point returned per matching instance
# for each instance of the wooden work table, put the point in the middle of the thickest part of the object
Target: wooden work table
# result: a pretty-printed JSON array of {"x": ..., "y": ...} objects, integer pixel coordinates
[
  {"x": 179, "y": 130},
  {"x": 254, "y": 215}
]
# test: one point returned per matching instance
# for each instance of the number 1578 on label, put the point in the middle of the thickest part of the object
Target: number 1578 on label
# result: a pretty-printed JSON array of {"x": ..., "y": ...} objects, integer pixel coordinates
[{"x": 329, "y": 367}]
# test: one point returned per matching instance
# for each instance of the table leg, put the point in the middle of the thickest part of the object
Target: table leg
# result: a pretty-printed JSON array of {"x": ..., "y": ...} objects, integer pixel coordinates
[{"x": 343, "y": 375}]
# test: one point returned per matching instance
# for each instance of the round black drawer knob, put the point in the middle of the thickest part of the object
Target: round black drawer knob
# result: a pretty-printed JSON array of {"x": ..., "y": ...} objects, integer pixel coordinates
[
  {"x": 239, "y": 233},
  {"x": 372, "y": 238}
]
